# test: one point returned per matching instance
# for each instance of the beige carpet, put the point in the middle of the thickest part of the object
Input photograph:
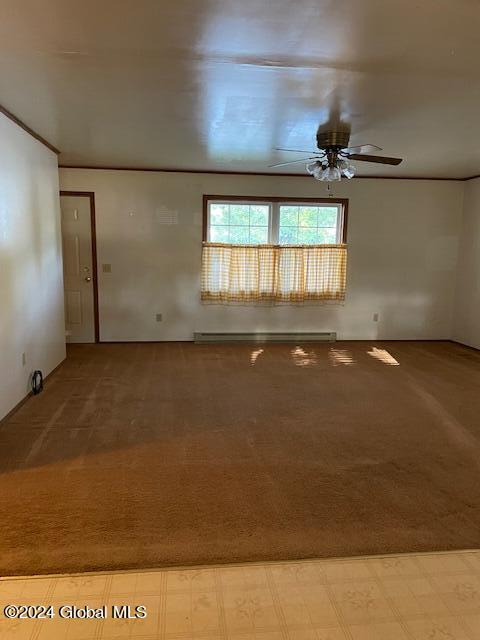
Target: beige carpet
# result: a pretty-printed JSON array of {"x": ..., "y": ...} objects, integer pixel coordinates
[{"x": 142, "y": 455}]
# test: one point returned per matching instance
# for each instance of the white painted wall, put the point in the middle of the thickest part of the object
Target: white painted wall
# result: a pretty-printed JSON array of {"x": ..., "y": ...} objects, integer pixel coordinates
[
  {"x": 467, "y": 301},
  {"x": 31, "y": 281},
  {"x": 402, "y": 236}
]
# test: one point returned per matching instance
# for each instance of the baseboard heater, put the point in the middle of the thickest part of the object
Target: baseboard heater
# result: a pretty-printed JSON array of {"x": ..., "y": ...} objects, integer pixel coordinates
[{"x": 202, "y": 338}]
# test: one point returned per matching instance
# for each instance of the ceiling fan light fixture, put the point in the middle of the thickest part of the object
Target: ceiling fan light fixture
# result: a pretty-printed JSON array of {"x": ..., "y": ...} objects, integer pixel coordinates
[
  {"x": 312, "y": 167},
  {"x": 331, "y": 174},
  {"x": 347, "y": 168},
  {"x": 321, "y": 170},
  {"x": 331, "y": 162}
]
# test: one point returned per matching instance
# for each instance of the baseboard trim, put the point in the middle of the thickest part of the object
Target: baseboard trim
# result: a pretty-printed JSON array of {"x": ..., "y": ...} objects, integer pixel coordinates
[
  {"x": 464, "y": 344},
  {"x": 266, "y": 336}
]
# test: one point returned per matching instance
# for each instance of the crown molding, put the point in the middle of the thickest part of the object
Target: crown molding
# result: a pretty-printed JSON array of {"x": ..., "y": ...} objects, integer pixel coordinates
[
  {"x": 248, "y": 173},
  {"x": 28, "y": 129}
]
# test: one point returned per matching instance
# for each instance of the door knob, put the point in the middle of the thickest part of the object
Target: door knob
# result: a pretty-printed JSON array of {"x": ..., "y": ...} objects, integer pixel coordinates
[{"x": 87, "y": 279}]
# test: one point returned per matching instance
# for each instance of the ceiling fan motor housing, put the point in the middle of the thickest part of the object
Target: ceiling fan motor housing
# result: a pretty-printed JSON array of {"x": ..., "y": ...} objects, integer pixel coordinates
[{"x": 334, "y": 140}]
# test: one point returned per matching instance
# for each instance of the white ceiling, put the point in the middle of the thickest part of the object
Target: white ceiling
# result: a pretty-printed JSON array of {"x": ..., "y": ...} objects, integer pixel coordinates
[{"x": 218, "y": 84}]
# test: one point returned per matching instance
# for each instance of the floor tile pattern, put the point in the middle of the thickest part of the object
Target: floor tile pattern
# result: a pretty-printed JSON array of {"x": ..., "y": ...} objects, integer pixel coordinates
[{"x": 405, "y": 597}]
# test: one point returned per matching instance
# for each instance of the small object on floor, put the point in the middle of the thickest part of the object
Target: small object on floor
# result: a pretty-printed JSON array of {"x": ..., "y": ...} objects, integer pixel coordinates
[{"x": 37, "y": 382}]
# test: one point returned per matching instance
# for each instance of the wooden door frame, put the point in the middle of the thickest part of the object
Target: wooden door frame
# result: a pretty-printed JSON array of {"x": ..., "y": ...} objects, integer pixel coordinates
[{"x": 91, "y": 196}]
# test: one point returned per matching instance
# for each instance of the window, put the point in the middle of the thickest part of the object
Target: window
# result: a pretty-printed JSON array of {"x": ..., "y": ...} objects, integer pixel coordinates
[
  {"x": 283, "y": 222},
  {"x": 239, "y": 223},
  {"x": 273, "y": 250},
  {"x": 307, "y": 224}
]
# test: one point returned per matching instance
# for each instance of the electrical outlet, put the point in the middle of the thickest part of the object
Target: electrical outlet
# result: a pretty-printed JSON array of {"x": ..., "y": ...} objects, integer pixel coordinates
[
  {"x": 158, "y": 317},
  {"x": 24, "y": 359},
  {"x": 375, "y": 317}
]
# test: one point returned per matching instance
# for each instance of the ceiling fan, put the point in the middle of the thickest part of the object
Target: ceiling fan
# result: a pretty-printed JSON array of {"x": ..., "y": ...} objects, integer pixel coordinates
[{"x": 334, "y": 156}]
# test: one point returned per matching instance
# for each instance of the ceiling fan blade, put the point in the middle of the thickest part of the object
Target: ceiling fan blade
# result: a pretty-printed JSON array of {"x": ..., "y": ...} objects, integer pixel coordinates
[
  {"x": 283, "y": 164},
  {"x": 379, "y": 159},
  {"x": 299, "y": 151},
  {"x": 362, "y": 148}
]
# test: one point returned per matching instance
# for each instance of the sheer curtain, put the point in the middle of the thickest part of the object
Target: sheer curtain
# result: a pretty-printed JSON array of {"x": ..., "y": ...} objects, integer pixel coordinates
[{"x": 273, "y": 273}]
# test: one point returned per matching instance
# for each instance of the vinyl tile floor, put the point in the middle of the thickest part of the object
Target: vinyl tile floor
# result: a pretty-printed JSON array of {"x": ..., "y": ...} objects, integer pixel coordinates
[{"x": 399, "y": 597}]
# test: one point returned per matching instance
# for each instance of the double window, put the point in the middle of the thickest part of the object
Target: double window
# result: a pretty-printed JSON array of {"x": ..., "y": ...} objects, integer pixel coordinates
[
  {"x": 280, "y": 222},
  {"x": 273, "y": 250}
]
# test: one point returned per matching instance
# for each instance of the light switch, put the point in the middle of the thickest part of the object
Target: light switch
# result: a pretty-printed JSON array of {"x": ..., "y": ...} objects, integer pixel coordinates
[{"x": 106, "y": 268}]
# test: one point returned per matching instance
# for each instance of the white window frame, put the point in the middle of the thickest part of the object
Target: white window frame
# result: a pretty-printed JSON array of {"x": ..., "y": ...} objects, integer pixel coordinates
[{"x": 274, "y": 213}]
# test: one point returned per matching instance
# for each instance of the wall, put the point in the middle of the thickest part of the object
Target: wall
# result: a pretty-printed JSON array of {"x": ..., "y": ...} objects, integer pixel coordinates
[
  {"x": 31, "y": 281},
  {"x": 402, "y": 236},
  {"x": 467, "y": 301}
]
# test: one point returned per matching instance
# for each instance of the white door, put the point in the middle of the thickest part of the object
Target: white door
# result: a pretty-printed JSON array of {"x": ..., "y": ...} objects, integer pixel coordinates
[{"x": 78, "y": 269}]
